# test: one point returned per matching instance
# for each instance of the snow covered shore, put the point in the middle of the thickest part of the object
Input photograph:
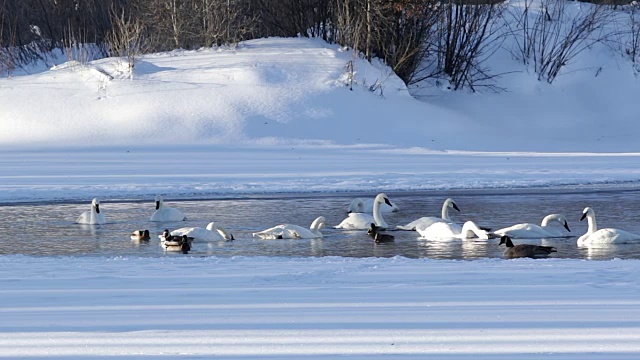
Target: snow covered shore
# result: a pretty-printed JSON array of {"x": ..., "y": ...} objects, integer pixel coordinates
[{"x": 318, "y": 308}]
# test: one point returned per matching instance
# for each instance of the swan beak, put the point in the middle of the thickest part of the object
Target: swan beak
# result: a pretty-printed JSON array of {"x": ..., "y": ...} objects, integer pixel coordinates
[
  {"x": 387, "y": 202},
  {"x": 97, "y": 208},
  {"x": 566, "y": 226},
  {"x": 584, "y": 215},
  {"x": 157, "y": 205},
  {"x": 455, "y": 206}
]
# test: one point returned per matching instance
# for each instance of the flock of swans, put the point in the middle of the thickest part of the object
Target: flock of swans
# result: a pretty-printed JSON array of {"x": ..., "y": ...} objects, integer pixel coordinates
[{"x": 367, "y": 214}]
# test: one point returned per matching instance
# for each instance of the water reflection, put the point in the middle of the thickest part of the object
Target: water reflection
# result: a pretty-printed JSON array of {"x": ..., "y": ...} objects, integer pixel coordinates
[{"x": 49, "y": 230}]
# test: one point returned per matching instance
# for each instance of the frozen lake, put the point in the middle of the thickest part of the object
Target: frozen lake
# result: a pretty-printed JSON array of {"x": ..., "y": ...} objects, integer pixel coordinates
[{"x": 49, "y": 229}]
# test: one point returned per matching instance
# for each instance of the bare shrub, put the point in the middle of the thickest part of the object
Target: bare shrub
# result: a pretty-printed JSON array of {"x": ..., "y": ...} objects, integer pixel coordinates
[
  {"x": 127, "y": 39},
  {"x": 467, "y": 34},
  {"x": 550, "y": 37}
]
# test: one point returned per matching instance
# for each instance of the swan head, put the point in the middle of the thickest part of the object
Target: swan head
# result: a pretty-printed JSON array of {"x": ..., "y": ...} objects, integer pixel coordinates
[
  {"x": 382, "y": 198},
  {"x": 158, "y": 202},
  {"x": 452, "y": 204},
  {"x": 587, "y": 212},
  {"x": 506, "y": 240},
  {"x": 95, "y": 203}
]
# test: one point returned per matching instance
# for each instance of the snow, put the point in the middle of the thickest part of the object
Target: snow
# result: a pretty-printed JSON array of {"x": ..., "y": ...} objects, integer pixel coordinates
[
  {"x": 318, "y": 308},
  {"x": 275, "y": 116}
]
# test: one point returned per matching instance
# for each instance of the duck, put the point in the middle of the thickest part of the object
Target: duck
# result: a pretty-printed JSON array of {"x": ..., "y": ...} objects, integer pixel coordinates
[
  {"x": 94, "y": 216},
  {"x": 524, "y": 250},
  {"x": 140, "y": 235},
  {"x": 361, "y": 221},
  {"x": 211, "y": 233},
  {"x": 175, "y": 243},
  {"x": 379, "y": 237},
  {"x": 164, "y": 213},
  {"x": 533, "y": 231},
  {"x": 445, "y": 231},
  {"x": 426, "y": 221},
  {"x": 289, "y": 231},
  {"x": 604, "y": 236},
  {"x": 365, "y": 205}
]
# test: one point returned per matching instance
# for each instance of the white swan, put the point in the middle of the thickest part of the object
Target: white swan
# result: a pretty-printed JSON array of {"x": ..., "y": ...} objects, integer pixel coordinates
[
  {"x": 365, "y": 205},
  {"x": 361, "y": 221},
  {"x": 210, "y": 233},
  {"x": 425, "y": 222},
  {"x": 533, "y": 231},
  {"x": 445, "y": 231},
  {"x": 604, "y": 236},
  {"x": 94, "y": 216},
  {"x": 288, "y": 231},
  {"x": 164, "y": 213}
]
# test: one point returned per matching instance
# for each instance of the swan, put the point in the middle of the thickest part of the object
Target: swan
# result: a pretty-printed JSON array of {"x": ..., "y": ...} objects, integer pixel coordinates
[
  {"x": 288, "y": 231},
  {"x": 140, "y": 235},
  {"x": 379, "y": 237},
  {"x": 425, "y": 222},
  {"x": 93, "y": 216},
  {"x": 210, "y": 233},
  {"x": 164, "y": 213},
  {"x": 365, "y": 205},
  {"x": 604, "y": 236},
  {"x": 533, "y": 231},
  {"x": 524, "y": 250},
  {"x": 444, "y": 231},
  {"x": 361, "y": 221}
]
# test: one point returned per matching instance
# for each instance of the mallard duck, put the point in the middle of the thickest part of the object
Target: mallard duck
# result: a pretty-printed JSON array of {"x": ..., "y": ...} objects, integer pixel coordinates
[{"x": 140, "y": 235}]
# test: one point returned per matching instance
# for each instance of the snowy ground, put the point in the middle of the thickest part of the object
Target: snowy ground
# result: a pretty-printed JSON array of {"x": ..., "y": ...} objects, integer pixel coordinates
[{"x": 318, "y": 308}]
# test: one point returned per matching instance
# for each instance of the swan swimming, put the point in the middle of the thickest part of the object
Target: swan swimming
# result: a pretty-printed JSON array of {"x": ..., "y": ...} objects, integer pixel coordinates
[
  {"x": 444, "y": 231},
  {"x": 533, "y": 231},
  {"x": 288, "y": 231},
  {"x": 164, "y": 213},
  {"x": 361, "y": 221},
  {"x": 425, "y": 222},
  {"x": 94, "y": 216},
  {"x": 604, "y": 236},
  {"x": 524, "y": 250},
  {"x": 365, "y": 205},
  {"x": 211, "y": 233}
]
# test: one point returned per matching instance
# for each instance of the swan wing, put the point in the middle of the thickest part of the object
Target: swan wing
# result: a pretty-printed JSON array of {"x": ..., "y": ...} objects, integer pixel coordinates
[
  {"x": 168, "y": 214},
  {"x": 356, "y": 221},
  {"x": 613, "y": 236},
  {"x": 524, "y": 231},
  {"x": 422, "y": 223},
  {"x": 440, "y": 231},
  {"x": 197, "y": 233}
]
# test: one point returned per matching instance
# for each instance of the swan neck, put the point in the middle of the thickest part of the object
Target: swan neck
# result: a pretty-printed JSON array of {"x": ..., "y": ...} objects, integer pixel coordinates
[
  {"x": 445, "y": 211},
  {"x": 591, "y": 219},
  {"x": 377, "y": 216}
]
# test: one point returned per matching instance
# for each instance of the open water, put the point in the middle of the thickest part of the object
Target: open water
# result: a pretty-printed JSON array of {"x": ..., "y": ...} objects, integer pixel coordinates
[{"x": 50, "y": 230}]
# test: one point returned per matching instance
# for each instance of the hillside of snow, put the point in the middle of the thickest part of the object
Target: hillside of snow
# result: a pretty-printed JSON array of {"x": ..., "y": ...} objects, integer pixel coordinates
[{"x": 294, "y": 91}]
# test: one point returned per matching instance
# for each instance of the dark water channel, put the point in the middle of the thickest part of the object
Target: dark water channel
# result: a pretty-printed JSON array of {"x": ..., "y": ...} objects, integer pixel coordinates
[{"x": 49, "y": 229}]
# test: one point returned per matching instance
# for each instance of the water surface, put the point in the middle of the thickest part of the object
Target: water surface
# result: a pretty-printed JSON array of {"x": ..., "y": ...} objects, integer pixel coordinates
[{"x": 49, "y": 229}]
